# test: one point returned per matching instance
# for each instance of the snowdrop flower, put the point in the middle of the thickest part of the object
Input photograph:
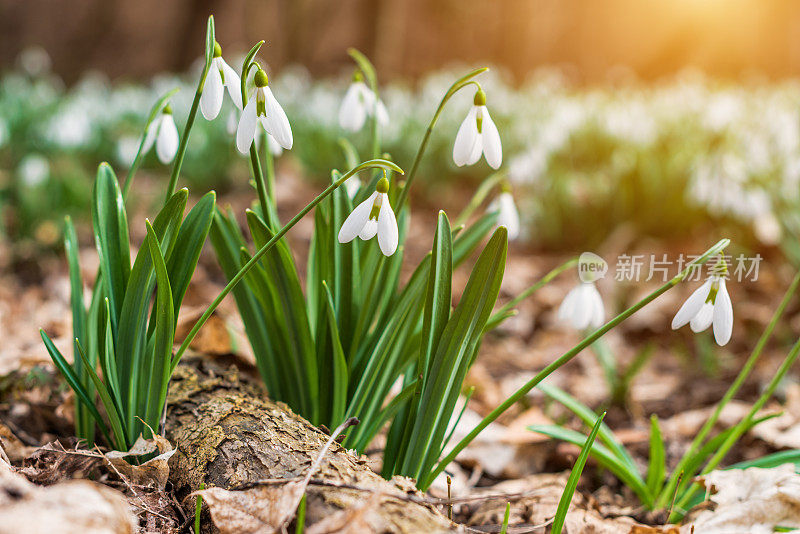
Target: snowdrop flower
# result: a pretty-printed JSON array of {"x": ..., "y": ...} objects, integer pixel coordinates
[
  {"x": 508, "y": 215},
  {"x": 220, "y": 77},
  {"x": 371, "y": 217},
  {"x": 478, "y": 135},
  {"x": 709, "y": 304},
  {"x": 583, "y": 307},
  {"x": 164, "y": 134},
  {"x": 358, "y": 104},
  {"x": 263, "y": 110}
]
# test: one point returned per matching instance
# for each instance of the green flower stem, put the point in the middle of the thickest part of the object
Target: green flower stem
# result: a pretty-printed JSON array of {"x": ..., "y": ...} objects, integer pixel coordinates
[
  {"x": 371, "y": 164},
  {"x": 566, "y": 357},
  {"x": 669, "y": 489},
  {"x": 269, "y": 161},
  {"x": 459, "y": 84},
  {"x": 176, "y": 167},
  {"x": 740, "y": 429},
  {"x": 261, "y": 188}
]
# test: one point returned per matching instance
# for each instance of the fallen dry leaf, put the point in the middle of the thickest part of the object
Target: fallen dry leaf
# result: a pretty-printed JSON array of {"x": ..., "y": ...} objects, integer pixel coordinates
[
  {"x": 53, "y": 463},
  {"x": 750, "y": 500},
  {"x": 155, "y": 470},
  {"x": 72, "y": 507},
  {"x": 267, "y": 507},
  {"x": 353, "y": 520}
]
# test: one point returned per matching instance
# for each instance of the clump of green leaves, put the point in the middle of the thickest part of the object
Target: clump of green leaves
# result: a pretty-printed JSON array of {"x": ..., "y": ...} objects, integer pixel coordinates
[{"x": 129, "y": 336}]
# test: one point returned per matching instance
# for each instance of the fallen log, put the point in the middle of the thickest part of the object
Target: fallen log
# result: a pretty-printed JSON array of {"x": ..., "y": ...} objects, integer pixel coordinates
[{"x": 229, "y": 435}]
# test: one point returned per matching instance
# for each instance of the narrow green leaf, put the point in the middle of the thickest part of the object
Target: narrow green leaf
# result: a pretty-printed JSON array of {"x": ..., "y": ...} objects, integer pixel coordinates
[
  {"x": 339, "y": 377},
  {"x": 74, "y": 383},
  {"x": 630, "y": 477},
  {"x": 437, "y": 300},
  {"x": 112, "y": 410},
  {"x": 574, "y": 477},
  {"x": 657, "y": 464},
  {"x": 111, "y": 237},
  {"x": 605, "y": 435},
  {"x": 164, "y": 336}
]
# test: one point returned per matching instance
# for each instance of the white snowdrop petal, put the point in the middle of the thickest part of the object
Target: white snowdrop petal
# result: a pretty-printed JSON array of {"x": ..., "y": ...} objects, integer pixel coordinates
[
  {"x": 352, "y": 112},
  {"x": 369, "y": 230},
  {"x": 387, "y": 228},
  {"x": 598, "y": 315},
  {"x": 723, "y": 315},
  {"x": 278, "y": 122},
  {"x": 354, "y": 223},
  {"x": 567, "y": 307},
  {"x": 702, "y": 320},
  {"x": 213, "y": 91},
  {"x": 465, "y": 138},
  {"x": 232, "y": 83},
  {"x": 167, "y": 141},
  {"x": 477, "y": 150},
  {"x": 152, "y": 133},
  {"x": 691, "y": 306},
  {"x": 274, "y": 148},
  {"x": 492, "y": 148},
  {"x": 509, "y": 216},
  {"x": 582, "y": 314},
  {"x": 383, "y": 115},
  {"x": 246, "y": 131}
]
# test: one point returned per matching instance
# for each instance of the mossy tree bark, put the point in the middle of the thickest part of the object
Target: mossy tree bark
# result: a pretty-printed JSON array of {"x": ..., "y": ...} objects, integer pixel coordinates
[{"x": 229, "y": 434}]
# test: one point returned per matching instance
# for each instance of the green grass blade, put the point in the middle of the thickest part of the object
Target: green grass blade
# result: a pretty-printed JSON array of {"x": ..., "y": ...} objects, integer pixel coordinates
[
  {"x": 630, "y": 477},
  {"x": 585, "y": 414},
  {"x": 339, "y": 377},
  {"x": 657, "y": 463},
  {"x": 574, "y": 477}
]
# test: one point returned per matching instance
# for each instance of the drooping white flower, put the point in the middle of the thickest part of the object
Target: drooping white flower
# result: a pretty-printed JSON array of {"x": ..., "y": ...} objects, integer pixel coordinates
[
  {"x": 478, "y": 135},
  {"x": 371, "y": 217},
  {"x": 220, "y": 77},
  {"x": 508, "y": 215},
  {"x": 262, "y": 109},
  {"x": 358, "y": 104},
  {"x": 583, "y": 307},
  {"x": 162, "y": 133},
  {"x": 709, "y": 304}
]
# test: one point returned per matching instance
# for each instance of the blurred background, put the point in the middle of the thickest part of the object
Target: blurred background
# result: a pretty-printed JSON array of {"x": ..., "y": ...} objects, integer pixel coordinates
[{"x": 675, "y": 120}]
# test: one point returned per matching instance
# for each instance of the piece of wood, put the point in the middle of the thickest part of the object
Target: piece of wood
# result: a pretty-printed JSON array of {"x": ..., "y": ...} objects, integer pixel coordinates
[{"x": 230, "y": 435}]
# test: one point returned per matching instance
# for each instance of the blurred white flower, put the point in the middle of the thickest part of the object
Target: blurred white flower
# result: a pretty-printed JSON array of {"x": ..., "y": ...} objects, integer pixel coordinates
[
  {"x": 508, "y": 215},
  {"x": 352, "y": 185},
  {"x": 359, "y": 103},
  {"x": 371, "y": 217},
  {"x": 162, "y": 133},
  {"x": 264, "y": 110},
  {"x": 478, "y": 136},
  {"x": 709, "y": 304},
  {"x": 33, "y": 170},
  {"x": 582, "y": 308},
  {"x": 126, "y": 149},
  {"x": 35, "y": 61},
  {"x": 220, "y": 77}
]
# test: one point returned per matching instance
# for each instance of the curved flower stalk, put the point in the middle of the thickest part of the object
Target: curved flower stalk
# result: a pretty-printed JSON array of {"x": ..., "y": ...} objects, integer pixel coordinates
[
  {"x": 162, "y": 133},
  {"x": 583, "y": 307},
  {"x": 220, "y": 77},
  {"x": 265, "y": 111},
  {"x": 371, "y": 217},
  {"x": 478, "y": 136},
  {"x": 359, "y": 103},
  {"x": 709, "y": 304}
]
